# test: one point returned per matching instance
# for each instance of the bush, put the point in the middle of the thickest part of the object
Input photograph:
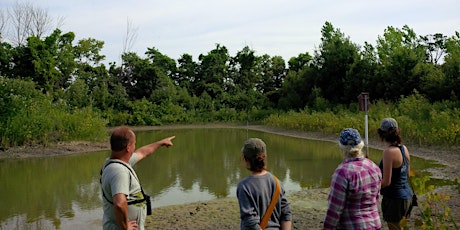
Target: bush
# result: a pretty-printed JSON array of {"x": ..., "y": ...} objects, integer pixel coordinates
[{"x": 31, "y": 117}]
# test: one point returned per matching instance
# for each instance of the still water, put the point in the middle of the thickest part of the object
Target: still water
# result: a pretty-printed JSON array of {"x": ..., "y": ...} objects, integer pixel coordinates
[{"x": 63, "y": 192}]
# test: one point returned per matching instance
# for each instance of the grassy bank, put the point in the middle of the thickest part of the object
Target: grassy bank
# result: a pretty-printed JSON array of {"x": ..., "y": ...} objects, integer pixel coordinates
[{"x": 422, "y": 123}]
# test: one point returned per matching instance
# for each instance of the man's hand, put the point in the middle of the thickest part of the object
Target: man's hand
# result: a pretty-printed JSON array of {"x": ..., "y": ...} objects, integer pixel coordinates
[
  {"x": 120, "y": 208},
  {"x": 167, "y": 141},
  {"x": 132, "y": 225}
]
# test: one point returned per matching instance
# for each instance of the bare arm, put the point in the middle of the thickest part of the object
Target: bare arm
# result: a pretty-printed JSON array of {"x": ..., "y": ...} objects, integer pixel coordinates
[
  {"x": 120, "y": 206},
  {"x": 387, "y": 167},
  {"x": 147, "y": 150},
  {"x": 286, "y": 225}
]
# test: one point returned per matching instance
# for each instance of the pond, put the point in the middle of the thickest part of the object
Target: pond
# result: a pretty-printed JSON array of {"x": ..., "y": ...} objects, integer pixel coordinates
[{"x": 64, "y": 193}]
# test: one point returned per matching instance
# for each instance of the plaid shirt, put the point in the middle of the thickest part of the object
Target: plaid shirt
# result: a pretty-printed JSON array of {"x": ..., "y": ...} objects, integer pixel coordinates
[{"x": 354, "y": 196}]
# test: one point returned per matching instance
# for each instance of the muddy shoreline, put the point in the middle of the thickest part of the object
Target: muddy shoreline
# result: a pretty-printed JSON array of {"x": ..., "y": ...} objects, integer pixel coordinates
[{"x": 308, "y": 205}]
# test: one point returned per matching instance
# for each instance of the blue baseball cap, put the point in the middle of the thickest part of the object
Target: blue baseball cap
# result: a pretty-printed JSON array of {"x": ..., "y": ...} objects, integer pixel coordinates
[{"x": 350, "y": 136}]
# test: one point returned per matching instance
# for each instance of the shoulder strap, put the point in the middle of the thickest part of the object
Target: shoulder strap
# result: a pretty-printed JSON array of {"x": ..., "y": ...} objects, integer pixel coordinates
[
  {"x": 401, "y": 147},
  {"x": 118, "y": 162},
  {"x": 408, "y": 168},
  {"x": 130, "y": 202},
  {"x": 270, "y": 208}
]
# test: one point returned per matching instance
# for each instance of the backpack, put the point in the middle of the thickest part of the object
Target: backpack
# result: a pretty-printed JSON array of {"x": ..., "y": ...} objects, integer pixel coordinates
[{"x": 146, "y": 197}]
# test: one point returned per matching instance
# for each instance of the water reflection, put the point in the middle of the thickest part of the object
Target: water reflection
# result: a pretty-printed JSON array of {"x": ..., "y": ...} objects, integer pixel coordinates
[{"x": 64, "y": 193}]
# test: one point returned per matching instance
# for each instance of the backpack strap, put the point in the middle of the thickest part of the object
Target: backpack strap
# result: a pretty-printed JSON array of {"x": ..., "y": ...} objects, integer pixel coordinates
[
  {"x": 270, "y": 208},
  {"x": 130, "y": 202}
]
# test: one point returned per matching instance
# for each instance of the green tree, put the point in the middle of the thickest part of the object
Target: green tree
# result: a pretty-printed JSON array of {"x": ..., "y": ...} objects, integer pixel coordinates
[
  {"x": 52, "y": 60},
  {"x": 432, "y": 81},
  {"x": 213, "y": 72},
  {"x": 139, "y": 76},
  {"x": 435, "y": 45},
  {"x": 399, "y": 52},
  {"x": 299, "y": 62},
  {"x": 273, "y": 72},
  {"x": 297, "y": 90},
  {"x": 361, "y": 74},
  {"x": 332, "y": 60},
  {"x": 6, "y": 59},
  {"x": 164, "y": 63},
  {"x": 77, "y": 95},
  {"x": 186, "y": 73},
  {"x": 298, "y": 83},
  {"x": 451, "y": 67},
  {"x": 244, "y": 70},
  {"x": 88, "y": 51}
]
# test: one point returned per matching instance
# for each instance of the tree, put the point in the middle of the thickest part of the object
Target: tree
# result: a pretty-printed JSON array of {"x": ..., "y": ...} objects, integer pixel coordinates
[
  {"x": 88, "y": 51},
  {"x": 244, "y": 73},
  {"x": 298, "y": 84},
  {"x": 28, "y": 20},
  {"x": 213, "y": 72},
  {"x": 92, "y": 72},
  {"x": 273, "y": 72},
  {"x": 299, "y": 62},
  {"x": 399, "y": 52},
  {"x": 361, "y": 74},
  {"x": 130, "y": 37},
  {"x": 186, "y": 73},
  {"x": 164, "y": 63},
  {"x": 138, "y": 76},
  {"x": 52, "y": 60},
  {"x": 6, "y": 58},
  {"x": 432, "y": 81},
  {"x": 141, "y": 77},
  {"x": 3, "y": 23},
  {"x": 451, "y": 66},
  {"x": 332, "y": 60},
  {"x": 254, "y": 80},
  {"x": 435, "y": 46},
  {"x": 77, "y": 95}
]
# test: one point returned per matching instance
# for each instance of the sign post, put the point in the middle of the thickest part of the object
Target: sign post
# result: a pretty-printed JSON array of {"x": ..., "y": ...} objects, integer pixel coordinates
[{"x": 363, "y": 104}]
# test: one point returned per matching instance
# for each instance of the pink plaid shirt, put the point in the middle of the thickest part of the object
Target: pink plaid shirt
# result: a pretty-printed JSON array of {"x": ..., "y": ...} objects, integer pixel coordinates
[{"x": 354, "y": 196}]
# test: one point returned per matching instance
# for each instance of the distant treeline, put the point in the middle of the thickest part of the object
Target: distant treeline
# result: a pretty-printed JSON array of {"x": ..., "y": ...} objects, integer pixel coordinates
[{"x": 54, "y": 88}]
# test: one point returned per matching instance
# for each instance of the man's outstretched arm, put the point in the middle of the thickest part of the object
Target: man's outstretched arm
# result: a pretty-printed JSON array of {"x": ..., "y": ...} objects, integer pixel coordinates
[{"x": 147, "y": 150}]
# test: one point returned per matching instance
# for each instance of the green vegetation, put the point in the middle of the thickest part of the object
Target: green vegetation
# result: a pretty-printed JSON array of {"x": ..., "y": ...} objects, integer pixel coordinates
[
  {"x": 423, "y": 123},
  {"x": 56, "y": 89},
  {"x": 30, "y": 117},
  {"x": 433, "y": 209}
]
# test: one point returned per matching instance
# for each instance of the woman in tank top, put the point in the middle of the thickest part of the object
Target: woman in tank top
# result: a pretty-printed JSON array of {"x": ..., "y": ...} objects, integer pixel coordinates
[{"x": 395, "y": 166}]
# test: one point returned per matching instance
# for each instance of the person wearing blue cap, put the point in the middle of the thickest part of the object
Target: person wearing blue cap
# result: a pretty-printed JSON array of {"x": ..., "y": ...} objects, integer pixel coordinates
[
  {"x": 355, "y": 188},
  {"x": 395, "y": 166}
]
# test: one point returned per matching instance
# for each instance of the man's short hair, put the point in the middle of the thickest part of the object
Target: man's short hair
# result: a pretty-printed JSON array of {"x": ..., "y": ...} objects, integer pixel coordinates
[{"x": 121, "y": 137}]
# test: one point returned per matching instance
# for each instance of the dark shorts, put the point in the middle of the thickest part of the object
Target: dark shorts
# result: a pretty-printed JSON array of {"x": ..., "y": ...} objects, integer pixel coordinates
[{"x": 394, "y": 209}]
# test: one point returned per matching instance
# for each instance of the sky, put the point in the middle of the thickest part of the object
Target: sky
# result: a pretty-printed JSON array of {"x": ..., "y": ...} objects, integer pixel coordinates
[{"x": 274, "y": 27}]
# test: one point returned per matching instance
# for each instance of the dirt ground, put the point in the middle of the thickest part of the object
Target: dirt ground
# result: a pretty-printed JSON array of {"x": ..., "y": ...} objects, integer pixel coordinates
[{"x": 308, "y": 206}]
